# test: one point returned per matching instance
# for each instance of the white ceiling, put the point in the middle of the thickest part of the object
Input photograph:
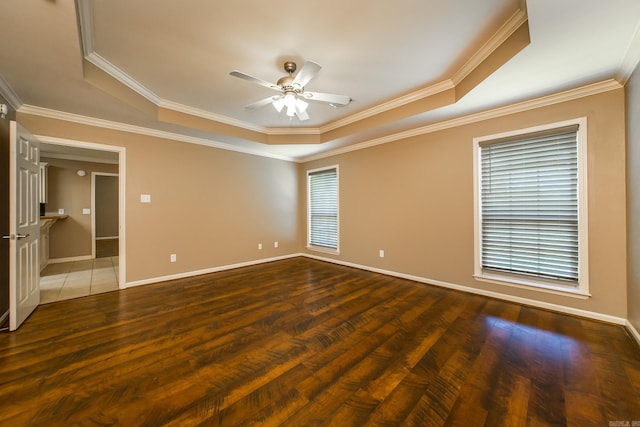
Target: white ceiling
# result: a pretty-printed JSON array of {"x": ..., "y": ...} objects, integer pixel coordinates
[{"x": 179, "y": 54}]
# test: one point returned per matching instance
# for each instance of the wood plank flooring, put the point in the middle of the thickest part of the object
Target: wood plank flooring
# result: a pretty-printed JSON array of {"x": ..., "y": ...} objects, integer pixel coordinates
[{"x": 301, "y": 342}]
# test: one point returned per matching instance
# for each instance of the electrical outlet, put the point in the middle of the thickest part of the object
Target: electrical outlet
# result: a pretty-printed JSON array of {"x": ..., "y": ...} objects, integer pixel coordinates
[
  {"x": 60, "y": 211},
  {"x": 275, "y": 244},
  {"x": 86, "y": 211},
  {"x": 381, "y": 253},
  {"x": 259, "y": 246},
  {"x": 145, "y": 198},
  {"x": 173, "y": 258}
]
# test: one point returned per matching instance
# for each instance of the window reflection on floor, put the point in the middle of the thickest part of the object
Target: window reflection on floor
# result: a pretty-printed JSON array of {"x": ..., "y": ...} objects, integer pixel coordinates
[{"x": 75, "y": 279}]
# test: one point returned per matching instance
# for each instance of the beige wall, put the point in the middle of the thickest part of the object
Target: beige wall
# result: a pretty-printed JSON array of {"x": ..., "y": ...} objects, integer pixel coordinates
[
  {"x": 414, "y": 199},
  {"x": 71, "y": 237},
  {"x": 210, "y": 207},
  {"x": 633, "y": 198}
]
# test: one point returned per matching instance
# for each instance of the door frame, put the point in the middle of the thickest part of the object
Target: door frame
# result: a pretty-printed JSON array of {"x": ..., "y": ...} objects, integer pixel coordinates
[
  {"x": 93, "y": 209},
  {"x": 122, "y": 262}
]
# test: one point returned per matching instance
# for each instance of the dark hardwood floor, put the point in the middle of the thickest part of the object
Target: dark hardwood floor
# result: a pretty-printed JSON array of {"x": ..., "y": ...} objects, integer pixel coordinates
[{"x": 303, "y": 343}]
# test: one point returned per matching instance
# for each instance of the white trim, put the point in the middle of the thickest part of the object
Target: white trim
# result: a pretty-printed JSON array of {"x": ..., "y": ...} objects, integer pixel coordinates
[
  {"x": 323, "y": 249},
  {"x": 533, "y": 286},
  {"x": 335, "y": 251},
  {"x": 84, "y": 10},
  {"x": 500, "y": 296},
  {"x": 389, "y": 105},
  {"x": 506, "y": 30},
  {"x": 122, "y": 191},
  {"x": 505, "y": 297},
  {"x": 122, "y": 219},
  {"x": 4, "y": 318},
  {"x": 85, "y": 18},
  {"x": 107, "y": 237},
  {"x": 70, "y": 259},
  {"x": 569, "y": 95},
  {"x": 582, "y": 291},
  {"x": 631, "y": 57},
  {"x": 207, "y": 270},
  {"x": 8, "y": 93},
  {"x": 633, "y": 331},
  {"x": 122, "y": 77},
  {"x": 557, "y": 98},
  {"x": 170, "y": 105},
  {"x": 90, "y": 121}
]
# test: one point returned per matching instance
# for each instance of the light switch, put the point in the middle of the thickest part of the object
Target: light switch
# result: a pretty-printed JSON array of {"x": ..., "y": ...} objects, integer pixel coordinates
[
  {"x": 145, "y": 198},
  {"x": 86, "y": 211}
]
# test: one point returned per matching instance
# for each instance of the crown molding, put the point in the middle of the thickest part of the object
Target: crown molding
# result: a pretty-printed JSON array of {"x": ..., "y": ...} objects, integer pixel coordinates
[
  {"x": 181, "y": 108},
  {"x": 292, "y": 131},
  {"x": 568, "y": 95},
  {"x": 84, "y": 11},
  {"x": 85, "y": 17},
  {"x": 8, "y": 93},
  {"x": 170, "y": 105},
  {"x": 631, "y": 58},
  {"x": 123, "y": 127},
  {"x": 504, "y": 32},
  {"x": 390, "y": 105},
  {"x": 122, "y": 77}
]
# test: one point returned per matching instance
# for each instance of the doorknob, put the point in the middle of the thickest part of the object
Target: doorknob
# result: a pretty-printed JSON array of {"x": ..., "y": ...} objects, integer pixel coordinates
[{"x": 16, "y": 236}]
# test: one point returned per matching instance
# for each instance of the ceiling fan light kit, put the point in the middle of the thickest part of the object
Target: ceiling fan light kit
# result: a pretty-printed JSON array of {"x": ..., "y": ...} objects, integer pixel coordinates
[{"x": 292, "y": 90}]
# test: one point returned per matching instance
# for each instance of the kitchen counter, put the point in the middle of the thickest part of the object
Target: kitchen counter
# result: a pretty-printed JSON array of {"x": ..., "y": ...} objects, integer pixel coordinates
[{"x": 53, "y": 217}]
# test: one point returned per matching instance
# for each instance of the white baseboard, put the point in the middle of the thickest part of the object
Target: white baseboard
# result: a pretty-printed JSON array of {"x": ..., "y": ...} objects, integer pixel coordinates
[
  {"x": 634, "y": 332},
  {"x": 4, "y": 317},
  {"x": 526, "y": 301},
  {"x": 70, "y": 259},
  {"x": 206, "y": 271}
]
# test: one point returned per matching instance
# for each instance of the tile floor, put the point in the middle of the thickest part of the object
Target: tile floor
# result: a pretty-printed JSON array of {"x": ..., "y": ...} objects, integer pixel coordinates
[{"x": 78, "y": 278}]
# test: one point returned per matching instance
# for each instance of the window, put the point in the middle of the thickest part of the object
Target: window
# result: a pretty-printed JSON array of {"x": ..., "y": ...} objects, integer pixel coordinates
[
  {"x": 531, "y": 208},
  {"x": 323, "y": 209}
]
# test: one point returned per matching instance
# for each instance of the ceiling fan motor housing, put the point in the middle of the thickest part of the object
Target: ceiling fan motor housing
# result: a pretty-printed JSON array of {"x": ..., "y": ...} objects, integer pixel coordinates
[{"x": 290, "y": 67}]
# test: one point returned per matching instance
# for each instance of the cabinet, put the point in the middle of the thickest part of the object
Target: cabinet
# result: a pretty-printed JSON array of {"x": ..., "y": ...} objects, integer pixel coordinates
[{"x": 45, "y": 225}]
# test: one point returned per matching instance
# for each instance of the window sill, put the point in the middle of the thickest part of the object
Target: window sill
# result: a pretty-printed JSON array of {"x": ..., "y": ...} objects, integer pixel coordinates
[
  {"x": 533, "y": 286},
  {"x": 323, "y": 250}
]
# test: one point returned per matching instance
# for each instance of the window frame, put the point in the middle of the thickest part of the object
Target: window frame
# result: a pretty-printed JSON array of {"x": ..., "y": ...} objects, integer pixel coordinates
[
  {"x": 581, "y": 290},
  {"x": 310, "y": 246}
]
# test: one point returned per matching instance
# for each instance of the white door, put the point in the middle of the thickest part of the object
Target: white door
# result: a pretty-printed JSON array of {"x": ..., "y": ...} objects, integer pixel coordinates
[{"x": 24, "y": 228}]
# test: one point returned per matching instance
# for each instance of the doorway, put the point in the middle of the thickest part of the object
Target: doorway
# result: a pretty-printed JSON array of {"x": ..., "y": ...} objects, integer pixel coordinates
[
  {"x": 104, "y": 201},
  {"x": 79, "y": 272}
]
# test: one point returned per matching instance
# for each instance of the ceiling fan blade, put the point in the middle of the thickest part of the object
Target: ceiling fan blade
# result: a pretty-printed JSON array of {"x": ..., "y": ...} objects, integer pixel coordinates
[
  {"x": 327, "y": 97},
  {"x": 261, "y": 103},
  {"x": 302, "y": 115},
  {"x": 254, "y": 80},
  {"x": 308, "y": 71}
]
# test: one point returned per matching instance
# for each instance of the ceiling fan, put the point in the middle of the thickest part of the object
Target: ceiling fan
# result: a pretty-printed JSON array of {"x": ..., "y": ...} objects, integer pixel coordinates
[{"x": 292, "y": 92}]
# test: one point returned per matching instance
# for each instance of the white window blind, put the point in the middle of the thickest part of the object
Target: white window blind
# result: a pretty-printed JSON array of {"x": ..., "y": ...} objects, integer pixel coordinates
[
  {"x": 529, "y": 206},
  {"x": 323, "y": 208}
]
